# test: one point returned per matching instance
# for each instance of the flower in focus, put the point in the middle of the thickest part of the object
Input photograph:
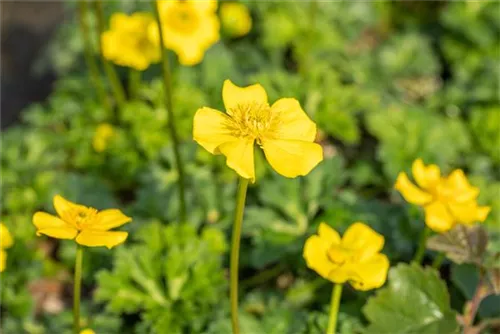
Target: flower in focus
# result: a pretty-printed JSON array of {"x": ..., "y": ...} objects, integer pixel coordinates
[
  {"x": 127, "y": 43},
  {"x": 102, "y": 136},
  {"x": 86, "y": 225},
  {"x": 87, "y": 331},
  {"x": 190, "y": 27},
  {"x": 283, "y": 131},
  {"x": 355, "y": 258},
  {"x": 6, "y": 241},
  {"x": 235, "y": 19},
  {"x": 447, "y": 201}
]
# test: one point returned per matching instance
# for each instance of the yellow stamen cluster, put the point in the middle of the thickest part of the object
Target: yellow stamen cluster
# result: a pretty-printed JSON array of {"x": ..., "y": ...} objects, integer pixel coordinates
[{"x": 253, "y": 120}]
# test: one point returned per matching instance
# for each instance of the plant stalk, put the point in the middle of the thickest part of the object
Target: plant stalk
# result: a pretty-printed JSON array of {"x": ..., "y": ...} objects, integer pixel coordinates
[
  {"x": 77, "y": 289},
  {"x": 334, "y": 308},
  {"x": 419, "y": 255}
]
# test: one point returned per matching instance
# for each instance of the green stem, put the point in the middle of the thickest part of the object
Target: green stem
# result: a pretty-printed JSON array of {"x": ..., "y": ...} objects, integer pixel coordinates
[
  {"x": 235, "y": 252},
  {"x": 419, "y": 255},
  {"x": 167, "y": 83},
  {"x": 134, "y": 82},
  {"x": 89, "y": 57},
  {"x": 263, "y": 276},
  {"x": 77, "y": 289},
  {"x": 438, "y": 260},
  {"x": 334, "y": 308},
  {"x": 110, "y": 70}
]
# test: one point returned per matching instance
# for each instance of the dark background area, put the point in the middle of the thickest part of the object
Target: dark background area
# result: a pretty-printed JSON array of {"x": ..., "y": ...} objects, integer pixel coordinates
[{"x": 26, "y": 27}]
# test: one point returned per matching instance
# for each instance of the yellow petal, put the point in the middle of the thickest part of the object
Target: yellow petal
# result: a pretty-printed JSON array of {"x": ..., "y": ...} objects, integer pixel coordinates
[
  {"x": 58, "y": 232},
  {"x": 44, "y": 221},
  {"x": 210, "y": 129},
  {"x": 62, "y": 205},
  {"x": 372, "y": 273},
  {"x": 427, "y": 177},
  {"x": 342, "y": 274},
  {"x": 438, "y": 218},
  {"x": 294, "y": 122},
  {"x": 3, "y": 260},
  {"x": 93, "y": 238},
  {"x": 119, "y": 21},
  {"x": 328, "y": 234},
  {"x": 292, "y": 158},
  {"x": 233, "y": 95},
  {"x": 459, "y": 187},
  {"x": 315, "y": 254},
  {"x": 203, "y": 6},
  {"x": 362, "y": 239},
  {"x": 239, "y": 156},
  {"x": 6, "y": 240},
  {"x": 87, "y": 331},
  {"x": 190, "y": 54},
  {"x": 108, "y": 219},
  {"x": 468, "y": 213},
  {"x": 410, "y": 192}
]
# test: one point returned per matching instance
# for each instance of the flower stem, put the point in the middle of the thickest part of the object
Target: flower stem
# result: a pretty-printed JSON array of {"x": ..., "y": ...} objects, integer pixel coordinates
[
  {"x": 419, "y": 255},
  {"x": 89, "y": 57},
  {"x": 334, "y": 308},
  {"x": 235, "y": 252},
  {"x": 134, "y": 81},
  {"x": 167, "y": 83},
  {"x": 110, "y": 70},
  {"x": 77, "y": 289},
  {"x": 438, "y": 260}
]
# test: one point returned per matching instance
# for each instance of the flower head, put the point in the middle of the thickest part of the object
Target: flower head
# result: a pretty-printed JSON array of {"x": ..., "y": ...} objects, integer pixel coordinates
[
  {"x": 6, "y": 241},
  {"x": 447, "y": 201},
  {"x": 235, "y": 19},
  {"x": 103, "y": 134},
  {"x": 190, "y": 27},
  {"x": 87, "y": 331},
  {"x": 354, "y": 258},
  {"x": 86, "y": 225},
  {"x": 283, "y": 130},
  {"x": 128, "y": 42}
]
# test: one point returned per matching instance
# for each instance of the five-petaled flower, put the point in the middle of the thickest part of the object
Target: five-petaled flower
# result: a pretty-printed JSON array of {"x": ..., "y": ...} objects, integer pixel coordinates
[
  {"x": 354, "y": 258},
  {"x": 86, "y": 225},
  {"x": 189, "y": 27},
  {"x": 447, "y": 201},
  {"x": 6, "y": 241},
  {"x": 283, "y": 130},
  {"x": 128, "y": 42}
]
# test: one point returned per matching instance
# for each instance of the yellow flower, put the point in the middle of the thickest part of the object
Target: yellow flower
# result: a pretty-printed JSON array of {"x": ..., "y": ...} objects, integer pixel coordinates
[
  {"x": 235, "y": 18},
  {"x": 128, "y": 43},
  {"x": 87, "y": 331},
  {"x": 447, "y": 201},
  {"x": 103, "y": 134},
  {"x": 354, "y": 258},
  {"x": 89, "y": 226},
  {"x": 6, "y": 241},
  {"x": 283, "y": 131},
  {"x": 190, "y": 27}
]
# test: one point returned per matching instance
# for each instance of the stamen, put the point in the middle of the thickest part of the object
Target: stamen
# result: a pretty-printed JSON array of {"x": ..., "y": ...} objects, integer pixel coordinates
[{"x": 253, "y": 120}]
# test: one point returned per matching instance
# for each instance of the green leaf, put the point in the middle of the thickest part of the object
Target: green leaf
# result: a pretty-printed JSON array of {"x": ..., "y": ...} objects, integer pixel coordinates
[{"x": 415, "y": 301}]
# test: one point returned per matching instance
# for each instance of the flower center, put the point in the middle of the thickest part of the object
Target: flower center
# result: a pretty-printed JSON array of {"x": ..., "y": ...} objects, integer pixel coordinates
[
  {"x": 340, "y": 255},
  {"x": 182, "y": 18},
  {"x": 81, "y": 217},
  {"x": 253, "y": 120}
]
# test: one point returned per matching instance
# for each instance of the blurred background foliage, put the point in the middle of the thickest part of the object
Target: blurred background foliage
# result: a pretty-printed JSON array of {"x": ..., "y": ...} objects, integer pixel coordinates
[{"x": 386, "y": 82}]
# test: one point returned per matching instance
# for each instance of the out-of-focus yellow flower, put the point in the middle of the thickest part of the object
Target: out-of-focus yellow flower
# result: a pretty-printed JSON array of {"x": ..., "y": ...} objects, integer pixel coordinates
[
  {"x": 190, "y": 27},
  {"x": 283, "y": 131},
  {"x": 87, "y": 331},
  {"x": 102, "y": 136},
  {"x": 447, "y": 201},
  {"x": 235, "y": 18},
  {"x": 355, "y": 258},
  {"x": 6, "y": 241},
  {"x": 89, "y": 226},
  {"x": 128, "y": 42}
]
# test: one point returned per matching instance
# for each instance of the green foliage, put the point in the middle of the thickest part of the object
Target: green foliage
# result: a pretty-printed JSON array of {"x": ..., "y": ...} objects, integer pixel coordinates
[
  {"x": 171, "y": 276},
  {"x": 415, "y": 301}
]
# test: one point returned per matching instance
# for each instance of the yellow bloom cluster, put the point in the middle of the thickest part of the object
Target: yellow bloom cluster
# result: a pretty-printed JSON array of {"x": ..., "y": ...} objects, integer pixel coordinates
[
  {"x": 235, "y": 18},
  {"x": 190, "y": 27},
  {"x": 354, "y": 258},
  {"x": 447, "y": 201},
  {"x": 86, "y": 225},
  {"x": 128, "y": 42},
  {"x": 6, "y": 241},
  {"x": 283, "y": 130},
  {"x": 102, "y": 136}
]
